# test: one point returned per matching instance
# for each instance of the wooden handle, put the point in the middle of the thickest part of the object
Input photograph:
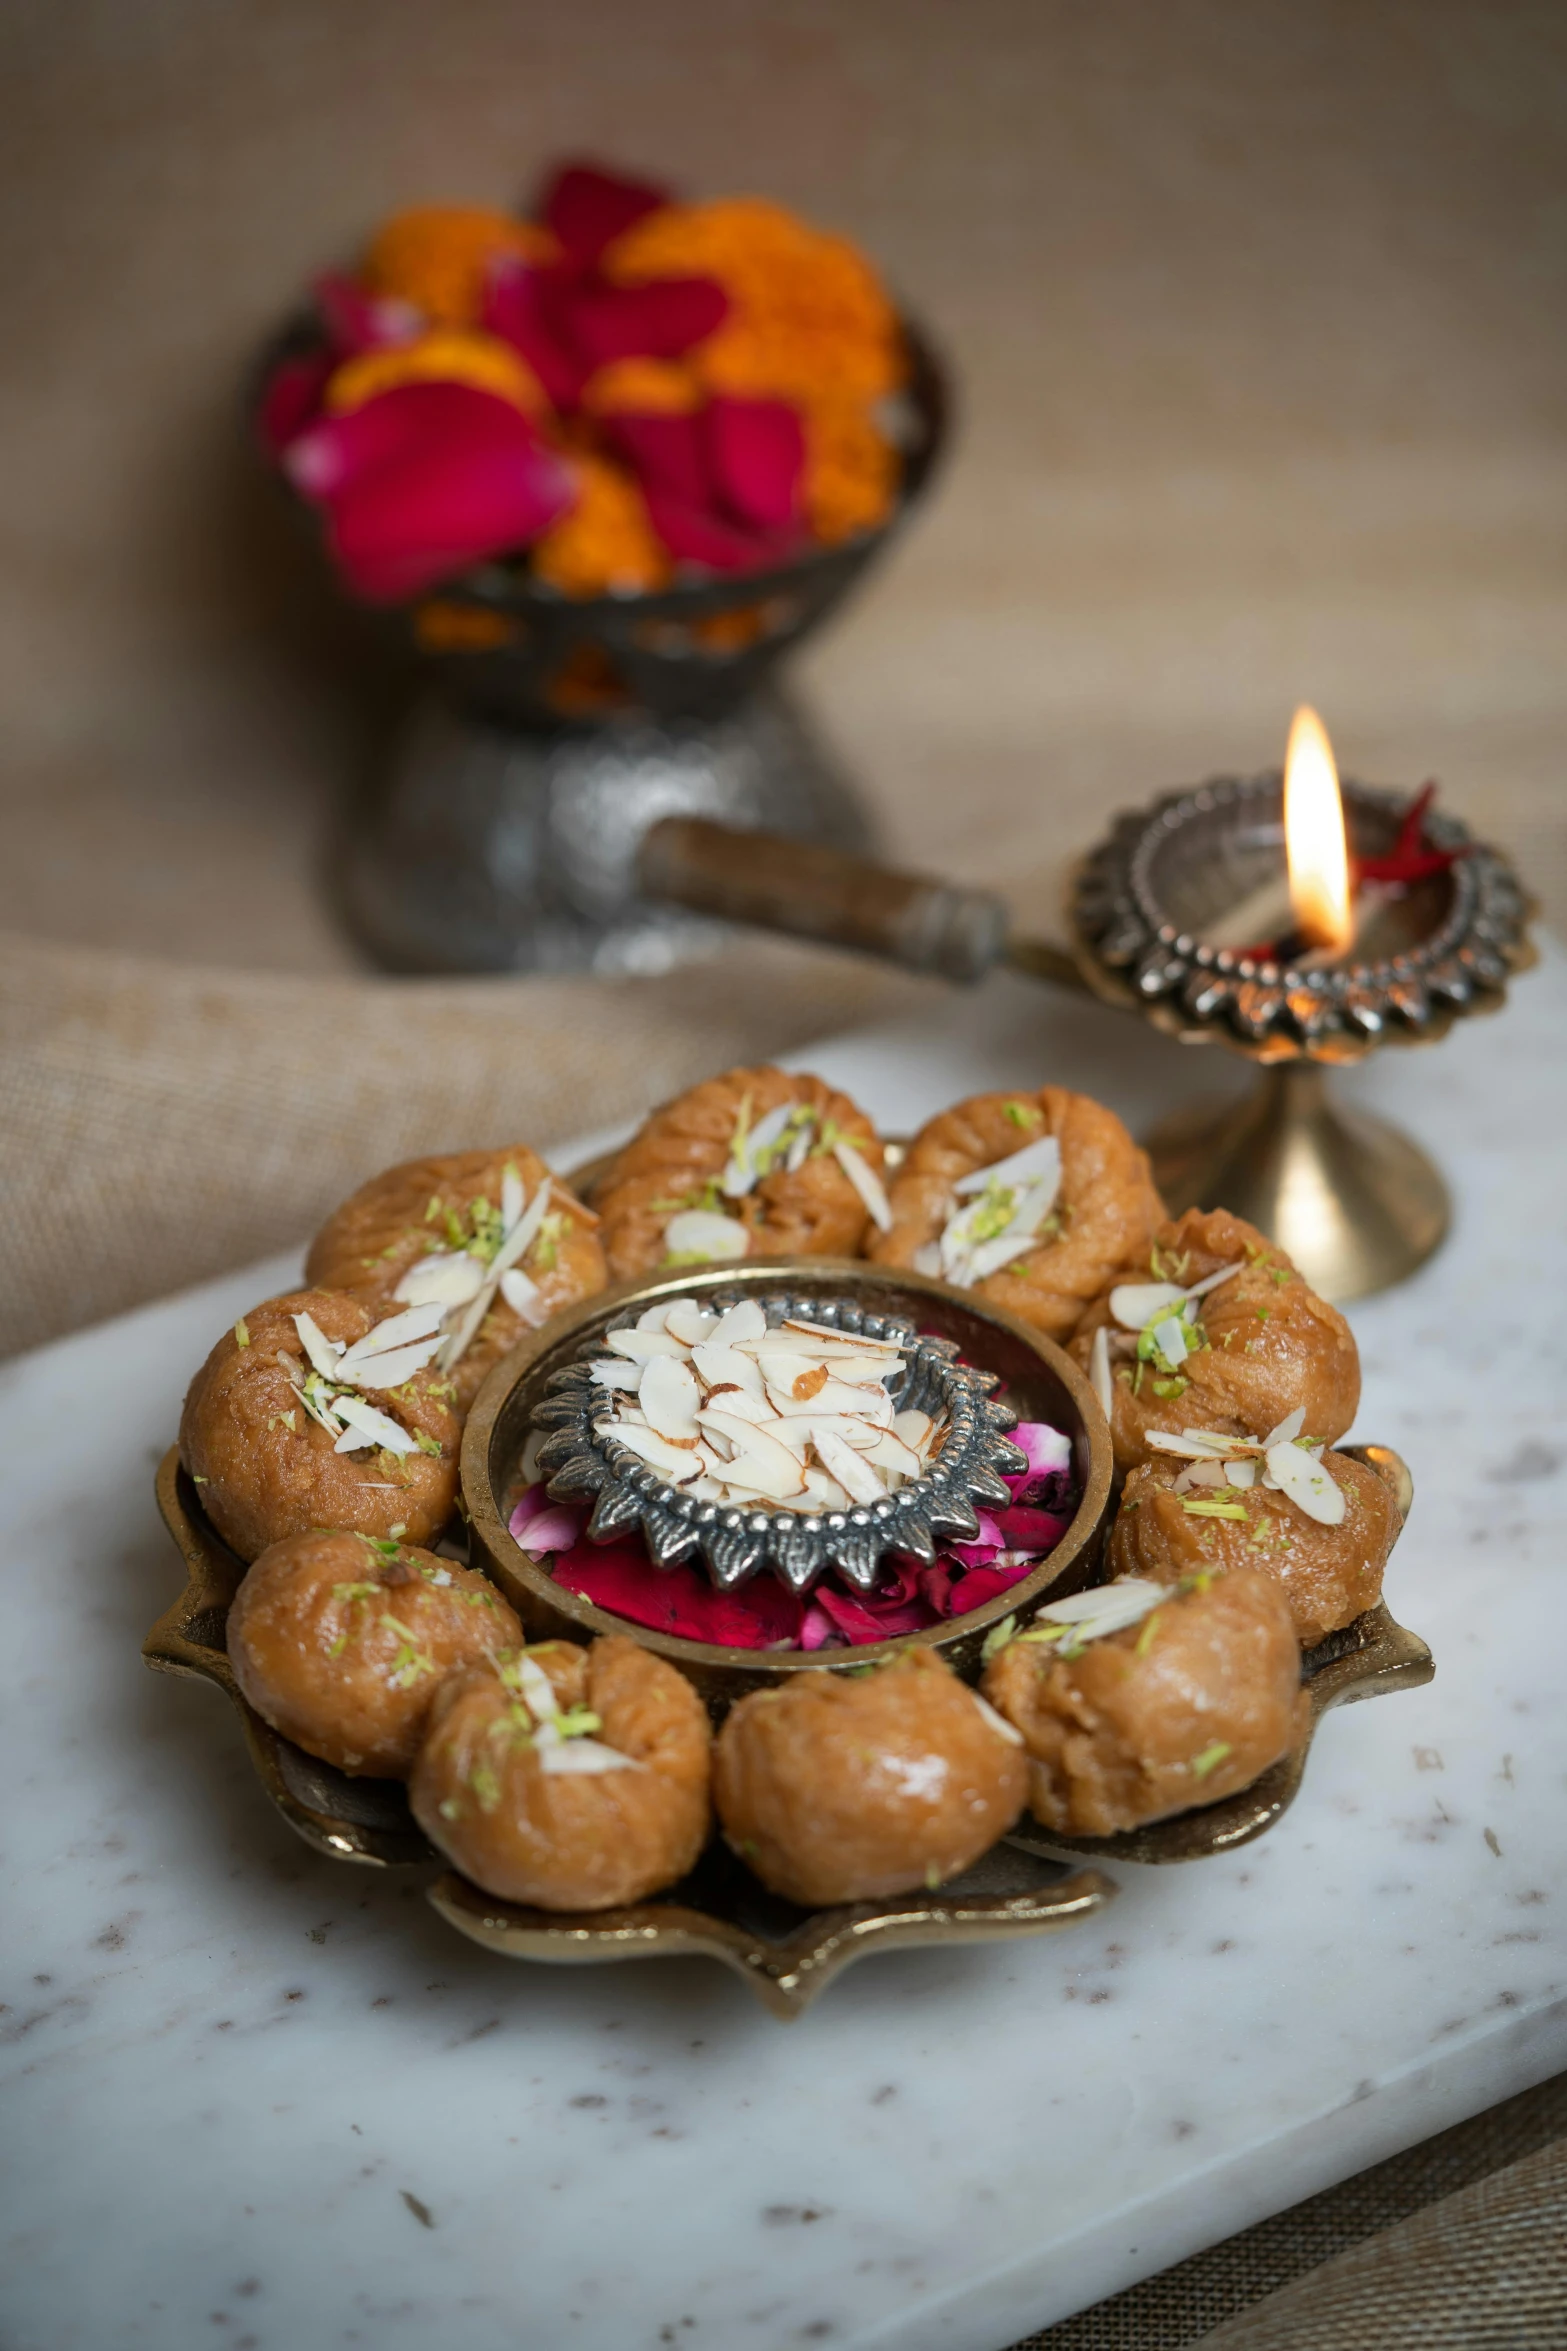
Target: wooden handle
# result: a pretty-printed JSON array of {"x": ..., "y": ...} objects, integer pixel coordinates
[{"x": 812, "y": 893}]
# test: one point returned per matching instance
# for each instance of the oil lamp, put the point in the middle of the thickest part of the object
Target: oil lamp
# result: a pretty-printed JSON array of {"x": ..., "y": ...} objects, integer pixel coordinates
[{"x": 1298, "y": 921}]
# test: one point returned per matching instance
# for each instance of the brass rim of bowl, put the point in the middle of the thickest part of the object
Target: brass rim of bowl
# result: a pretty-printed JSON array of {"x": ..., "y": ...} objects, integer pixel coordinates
[{"x": 487, "y": 1517}]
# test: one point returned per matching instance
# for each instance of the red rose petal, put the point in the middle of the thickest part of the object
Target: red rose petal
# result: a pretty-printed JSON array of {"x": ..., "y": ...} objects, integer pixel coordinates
[
  {"x": 588, "y": 208},
  {"x": 443, "y": 477},
  {"x": 986, "y": 1583},
  {"x": 694, "y": 535},
  {"x": 861, "y": 1620},
  {"x": 525, "y": 307},
  {"x": 667, "y": 451},
  {"x": 356, "y": 321},
  {"x": 758, "y": 452},
  {"x": 658, "y": 320},
  {"x": 1023, "y": 1529},
  {"x": 290, "y": 399},
  {"x": 620, "y": 1577}
]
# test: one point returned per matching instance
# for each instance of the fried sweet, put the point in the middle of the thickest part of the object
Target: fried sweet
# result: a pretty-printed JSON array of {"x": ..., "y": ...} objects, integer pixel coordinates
[
  {"x": 1265, "y": 1343},
  {"x": 1329, "y": 1575},
  {"x": 606, "y": 1807},
  {"x": 266, "y": 1469},
  {"x": 797, "y": 1200},
  {"x": 341, "y": 1641},
  {"x": 840, "y": 1788},
  {"x": 1104, "y": 1215},
  {"x": 449, "y": 1208},
  {"x": 1181, "y": 1710}
]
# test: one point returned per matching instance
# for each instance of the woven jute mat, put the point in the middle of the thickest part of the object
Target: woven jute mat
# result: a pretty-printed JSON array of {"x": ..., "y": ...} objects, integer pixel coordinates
[
  {"x": 1459, "y": 2244},
  {"x": 161, "y": 1122}
]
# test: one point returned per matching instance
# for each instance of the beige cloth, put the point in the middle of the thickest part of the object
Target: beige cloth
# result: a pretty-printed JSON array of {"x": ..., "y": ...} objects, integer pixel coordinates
[
  {"x": 160, "y": 1123},
  {"x": 1458, "y": 2244}
]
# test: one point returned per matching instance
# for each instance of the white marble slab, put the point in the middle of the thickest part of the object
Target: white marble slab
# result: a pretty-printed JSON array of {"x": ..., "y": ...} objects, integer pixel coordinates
[{"x": 258, "y": 2101}]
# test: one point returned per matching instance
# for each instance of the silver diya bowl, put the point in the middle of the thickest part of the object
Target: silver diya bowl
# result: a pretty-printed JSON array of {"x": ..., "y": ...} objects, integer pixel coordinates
[
  {"x": 581, "y": 1464},
  {"x": 539, "y": 1387},
  {"x": 1152, "y": 903}
]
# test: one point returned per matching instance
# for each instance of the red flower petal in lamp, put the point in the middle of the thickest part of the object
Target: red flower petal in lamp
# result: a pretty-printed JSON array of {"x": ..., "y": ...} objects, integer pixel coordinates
[
  {"x": 758, "y": 460},
  {"x": 658, "y": 320},
  {"x": 588, "y": 208}
]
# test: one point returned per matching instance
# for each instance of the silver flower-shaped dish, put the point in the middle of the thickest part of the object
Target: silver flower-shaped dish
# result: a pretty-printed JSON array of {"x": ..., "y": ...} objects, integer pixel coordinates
[{"x": 581, "y": 1464}]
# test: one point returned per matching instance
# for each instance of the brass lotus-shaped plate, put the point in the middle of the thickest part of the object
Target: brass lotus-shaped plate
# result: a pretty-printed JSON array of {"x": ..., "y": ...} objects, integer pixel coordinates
[
  {"x": 735, "y": 1543},
  {"x": 784, "y": 1953},
  {"x": 1373, "y": 1655}
]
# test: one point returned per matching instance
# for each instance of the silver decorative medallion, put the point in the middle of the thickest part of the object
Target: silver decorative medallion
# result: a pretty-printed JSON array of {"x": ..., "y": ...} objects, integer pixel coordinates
[{"x": 936, "y": 1509}]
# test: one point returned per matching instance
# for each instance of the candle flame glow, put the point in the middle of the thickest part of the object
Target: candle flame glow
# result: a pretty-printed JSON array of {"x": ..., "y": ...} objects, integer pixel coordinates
[{"x": 1314, "y": 839}]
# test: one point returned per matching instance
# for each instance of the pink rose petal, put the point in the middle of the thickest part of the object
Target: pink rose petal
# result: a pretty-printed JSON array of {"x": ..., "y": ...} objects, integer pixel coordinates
[
  {"x": 588, "y": 208},
  {"x": 817, "y": 1630},
  {"x": 1047, "y": 1450},
  {"x": 758, "y": 459}
]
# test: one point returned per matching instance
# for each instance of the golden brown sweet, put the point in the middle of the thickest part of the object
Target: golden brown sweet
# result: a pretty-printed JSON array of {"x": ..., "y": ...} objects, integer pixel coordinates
[
  {"x": 1329, "y": 1574},
  {"x": 675, "y": 1166},
  {"x": 341, "y": 1641},
  {"x": 449, "y": 1207},
  {"x": 1105, "y": 1211},
  {"x": 266, "y": 1469},
  {"x": 500, "y": 1793},
  {"x": 842, "y": 1787},
  {"x": 1180, "y": 1710},
  {"x": 1266, "y": 1343}
]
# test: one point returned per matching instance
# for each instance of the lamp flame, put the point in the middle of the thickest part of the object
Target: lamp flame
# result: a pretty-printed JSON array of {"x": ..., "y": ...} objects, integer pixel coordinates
[{"x": 1314, "y": 839}]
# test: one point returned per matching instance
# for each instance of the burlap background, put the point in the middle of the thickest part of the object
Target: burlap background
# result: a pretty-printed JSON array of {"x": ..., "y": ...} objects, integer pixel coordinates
[{"x": 162, "y": 1122}]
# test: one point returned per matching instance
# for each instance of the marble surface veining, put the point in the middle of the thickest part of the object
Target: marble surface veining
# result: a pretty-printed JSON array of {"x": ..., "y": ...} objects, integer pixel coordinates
[{"x": 260, "y": 2101}]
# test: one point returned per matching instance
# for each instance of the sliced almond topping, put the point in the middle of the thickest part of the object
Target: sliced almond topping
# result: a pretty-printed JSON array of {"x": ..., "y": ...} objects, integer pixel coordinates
[
  {"x": 851, "y": 1469},
  {"x": 809, "y": 1383},
  {"x": 322, "y": 1351},
  {"x": 702, "y": 1232},
  {"x": 689, "y": 1323},
  {"x": 1099, "y": 1371},
  {"x": 1309, "y": 1486},
  {"x": 1134, "y": 1304},
  {"x": 668, "y": 1393},
  {"x": 866, "y": 1182},
  {"x": 641, "y": 1346},
  {"x": 447, "y": 1278},
  {"x": 745, "y": 1321}
]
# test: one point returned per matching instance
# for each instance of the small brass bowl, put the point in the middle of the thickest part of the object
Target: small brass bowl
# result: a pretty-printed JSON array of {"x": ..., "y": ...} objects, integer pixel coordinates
[{"x": 1041, "y": 1383}]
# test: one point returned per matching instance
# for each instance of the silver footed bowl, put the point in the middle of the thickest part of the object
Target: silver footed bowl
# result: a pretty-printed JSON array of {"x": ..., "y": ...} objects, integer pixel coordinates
[{"x": 579, "y": 1464}]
